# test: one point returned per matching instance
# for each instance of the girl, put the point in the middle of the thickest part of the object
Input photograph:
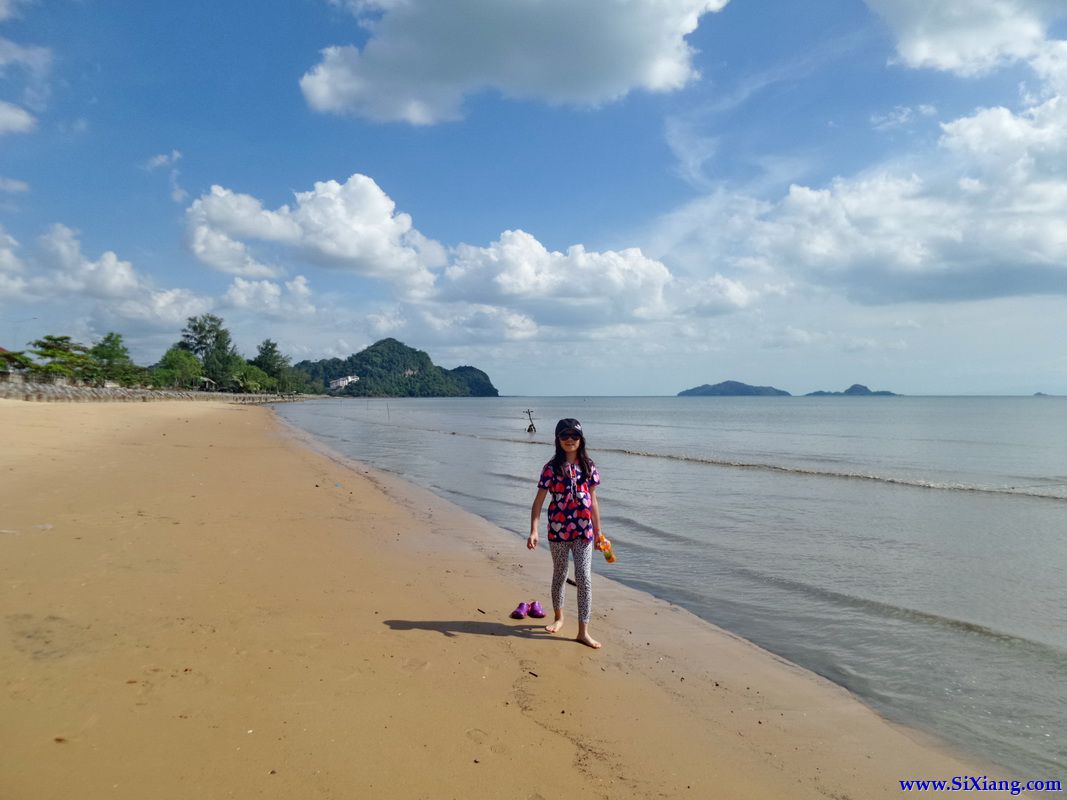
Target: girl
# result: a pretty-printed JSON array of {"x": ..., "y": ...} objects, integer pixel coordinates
[{"x": 573, "y": 521}]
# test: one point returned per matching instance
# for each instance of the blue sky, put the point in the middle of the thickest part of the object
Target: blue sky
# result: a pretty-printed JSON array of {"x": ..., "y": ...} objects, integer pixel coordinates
[{"x": 578, "y": 196}]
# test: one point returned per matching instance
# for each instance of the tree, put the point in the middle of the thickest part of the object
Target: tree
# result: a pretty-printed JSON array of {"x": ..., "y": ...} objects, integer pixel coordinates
[
  {"x": 222, "y": 362},
  {"x": 250, "y": 378},
  {"x": 64, "y": 358},
  {"x": 113, "y": 359},
  {"x": 179, "y": 369},
  {"x": 201, "y": 334},
  {"x": 14, "y": 361},
  {"x": 270, "y": 359}
]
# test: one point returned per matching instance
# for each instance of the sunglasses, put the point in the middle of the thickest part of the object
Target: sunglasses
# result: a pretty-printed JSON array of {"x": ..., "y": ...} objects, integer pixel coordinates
[{"x": 571, "y": 435}]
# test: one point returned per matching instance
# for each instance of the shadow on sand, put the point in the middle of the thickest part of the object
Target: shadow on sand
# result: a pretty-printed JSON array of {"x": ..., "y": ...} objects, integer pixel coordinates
[{"x": 472, "y": 626}]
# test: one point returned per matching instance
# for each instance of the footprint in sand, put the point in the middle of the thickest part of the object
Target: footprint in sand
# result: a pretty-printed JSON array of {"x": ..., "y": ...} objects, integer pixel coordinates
[
  {"x": 46, "y": 638},
  {"x": 478, "y": 736}
]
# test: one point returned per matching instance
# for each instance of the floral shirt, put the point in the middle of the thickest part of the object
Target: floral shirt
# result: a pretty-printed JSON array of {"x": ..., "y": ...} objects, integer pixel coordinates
[{"x": 570, "y": 513}]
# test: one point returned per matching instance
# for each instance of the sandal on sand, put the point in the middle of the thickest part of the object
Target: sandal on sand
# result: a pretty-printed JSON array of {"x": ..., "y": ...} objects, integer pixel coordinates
[
  {"x": 521, "y": 610},
  {"x": 536, "y": 611}
]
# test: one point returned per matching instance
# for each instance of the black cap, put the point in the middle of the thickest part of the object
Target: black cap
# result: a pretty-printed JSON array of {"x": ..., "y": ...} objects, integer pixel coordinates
[{"x": 568, "y": 424}]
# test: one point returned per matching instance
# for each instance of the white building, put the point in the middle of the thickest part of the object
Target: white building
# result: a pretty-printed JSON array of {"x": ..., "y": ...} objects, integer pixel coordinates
[{"x": 341, "y": 383}]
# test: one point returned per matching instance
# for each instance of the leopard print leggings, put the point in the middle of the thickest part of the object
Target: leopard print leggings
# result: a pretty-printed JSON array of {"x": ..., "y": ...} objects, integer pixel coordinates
[{"x": 582, "y": 549}]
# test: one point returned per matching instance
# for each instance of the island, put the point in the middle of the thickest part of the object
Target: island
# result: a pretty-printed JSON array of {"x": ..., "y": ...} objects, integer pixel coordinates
[
  {"x": 855, "y": 390},
  {"x": 733, "y": 389},
  {"x": 389, "y": 368}
]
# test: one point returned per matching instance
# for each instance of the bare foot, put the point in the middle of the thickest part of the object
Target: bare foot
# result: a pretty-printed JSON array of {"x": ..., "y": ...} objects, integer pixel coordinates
[
  {"x": 555, "y": 626},
  {"x": 586, "y": 639}
]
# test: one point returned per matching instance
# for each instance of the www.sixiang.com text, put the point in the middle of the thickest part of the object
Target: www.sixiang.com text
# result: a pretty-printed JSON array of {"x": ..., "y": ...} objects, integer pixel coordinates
[{"x": 971, "y": 783}]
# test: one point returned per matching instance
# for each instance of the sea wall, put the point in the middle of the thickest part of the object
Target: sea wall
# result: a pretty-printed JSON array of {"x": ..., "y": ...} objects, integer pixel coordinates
[{"x": 66, "y": 393}]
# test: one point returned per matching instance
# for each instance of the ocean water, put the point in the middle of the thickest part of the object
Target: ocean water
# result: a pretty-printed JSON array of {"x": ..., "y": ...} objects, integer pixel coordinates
[{"x": 911, "y": 549}]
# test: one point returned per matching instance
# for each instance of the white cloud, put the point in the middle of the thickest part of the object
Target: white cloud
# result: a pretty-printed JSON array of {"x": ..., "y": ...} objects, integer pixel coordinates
[
  {"x": 177, "y": 193},
  {"x": 424, "y": 56},
  {"x": 35, "y": 64},
  {"x": 293, "y": 298},
  {"x": 981, "y": 215},
  {"x": 12, "y": 284},
  {"x": 352, "y": 226},
  {"x": 901, "y": 116},
  {"x": 712, "y": 296},
  {"x": 471, "y": 322},
  {"x": 8, "y": 8},
  {"x": 163, "y": 308},
  {"x": 519, "y": 271},
  {"x": 692, "y": 150},
  {"x": 59, "y": 272},
  {"x": 108, "y": 277},
  {"x": 789, "y": 337},
  {"x": 15, "y": 119},
  {"x": 13, "y": 185},
  {"x": 1003, "y": 143},
  {"x": 163, "y": 160},
  {"x": 968, "y": 37}
]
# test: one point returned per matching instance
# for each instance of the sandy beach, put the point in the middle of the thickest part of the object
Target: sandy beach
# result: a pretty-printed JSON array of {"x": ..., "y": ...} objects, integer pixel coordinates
[{"x": 196, "y": 603}]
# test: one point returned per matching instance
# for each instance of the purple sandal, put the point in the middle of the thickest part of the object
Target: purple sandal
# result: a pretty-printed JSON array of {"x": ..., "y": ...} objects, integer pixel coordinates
[
  {"x": 536, "y": 611},
  {"x": 521, "y": 610}
]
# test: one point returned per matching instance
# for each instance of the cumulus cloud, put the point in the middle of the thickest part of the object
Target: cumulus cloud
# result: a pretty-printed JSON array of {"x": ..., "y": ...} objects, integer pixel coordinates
[
  {"x": 473, "y": 322},
  {"x": 108, "y": 277},
  {"x": 968, "y": 37},
  {"x": 423, "y": 57},
  {"x": 280, "y": 300},
  {"x": 520, "y": 271},
  {"x": 163, "y": 308},
  {"x": 511, "y": 289},
  {"x": 980, "y": 215},
  {"x": 351, "y": 226},
  {"x": 59, "y": 270}
]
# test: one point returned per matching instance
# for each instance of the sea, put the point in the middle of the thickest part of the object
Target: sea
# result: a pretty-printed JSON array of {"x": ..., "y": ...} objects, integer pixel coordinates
[{"x": 910, "y": 549}]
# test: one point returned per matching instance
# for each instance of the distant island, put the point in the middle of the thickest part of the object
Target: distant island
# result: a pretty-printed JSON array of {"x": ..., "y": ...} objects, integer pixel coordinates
[
  {"x": 738, "y": 389},
  {"x": 389, "y": 368},
  {"x": 733, "y": 389},
  {"x": 855, "y": 390}
]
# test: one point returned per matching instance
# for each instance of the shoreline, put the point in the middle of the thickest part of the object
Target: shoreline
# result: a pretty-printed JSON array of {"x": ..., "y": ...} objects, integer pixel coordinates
[
  {"x": 218, "y": 608},
  {"x": 415, "y": 498}
]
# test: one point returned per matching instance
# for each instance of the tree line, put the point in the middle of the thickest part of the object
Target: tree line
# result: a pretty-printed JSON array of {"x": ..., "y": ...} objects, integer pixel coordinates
[{"x": 204, "y": 358}]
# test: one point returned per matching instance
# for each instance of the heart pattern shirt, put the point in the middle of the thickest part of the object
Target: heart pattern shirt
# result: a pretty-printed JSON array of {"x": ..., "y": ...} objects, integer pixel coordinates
[{"x": 570, "y": 512}]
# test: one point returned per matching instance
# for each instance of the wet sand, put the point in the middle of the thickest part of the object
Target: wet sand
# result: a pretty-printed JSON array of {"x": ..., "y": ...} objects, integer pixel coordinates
[{"x": 194, "y": 603}]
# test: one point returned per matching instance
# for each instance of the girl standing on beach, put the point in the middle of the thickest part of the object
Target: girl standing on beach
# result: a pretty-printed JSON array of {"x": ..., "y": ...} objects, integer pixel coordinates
[{"x": 573, "y": 521}]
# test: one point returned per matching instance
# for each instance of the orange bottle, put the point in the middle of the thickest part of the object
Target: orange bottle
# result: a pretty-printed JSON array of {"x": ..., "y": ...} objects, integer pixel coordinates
[{"x": 603, "y": 544}]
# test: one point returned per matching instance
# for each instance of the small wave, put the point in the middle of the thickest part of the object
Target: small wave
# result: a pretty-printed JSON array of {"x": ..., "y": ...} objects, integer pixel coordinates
[
  {"x": 1042, "y": 490},
  {"x": 892, "y": 611},
  {"x": 444, "y": 490},
  {"x": 658, "y": 533},
  {"x": 1033, "y": 490},
  {"x": 524, "y": 480}
]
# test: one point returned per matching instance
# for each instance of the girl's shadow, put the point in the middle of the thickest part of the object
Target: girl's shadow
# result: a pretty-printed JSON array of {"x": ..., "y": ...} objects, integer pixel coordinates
[{"x": 471, "y": 626}]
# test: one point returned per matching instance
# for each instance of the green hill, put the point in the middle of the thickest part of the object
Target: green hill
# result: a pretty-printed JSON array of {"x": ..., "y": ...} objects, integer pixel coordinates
[
  {"x": 392, "y": 369},
  {"x": 733, "y": 389}
]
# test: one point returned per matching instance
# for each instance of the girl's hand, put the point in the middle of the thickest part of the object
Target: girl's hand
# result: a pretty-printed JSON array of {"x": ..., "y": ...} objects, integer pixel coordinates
[{"x": 531, "y": 542}]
